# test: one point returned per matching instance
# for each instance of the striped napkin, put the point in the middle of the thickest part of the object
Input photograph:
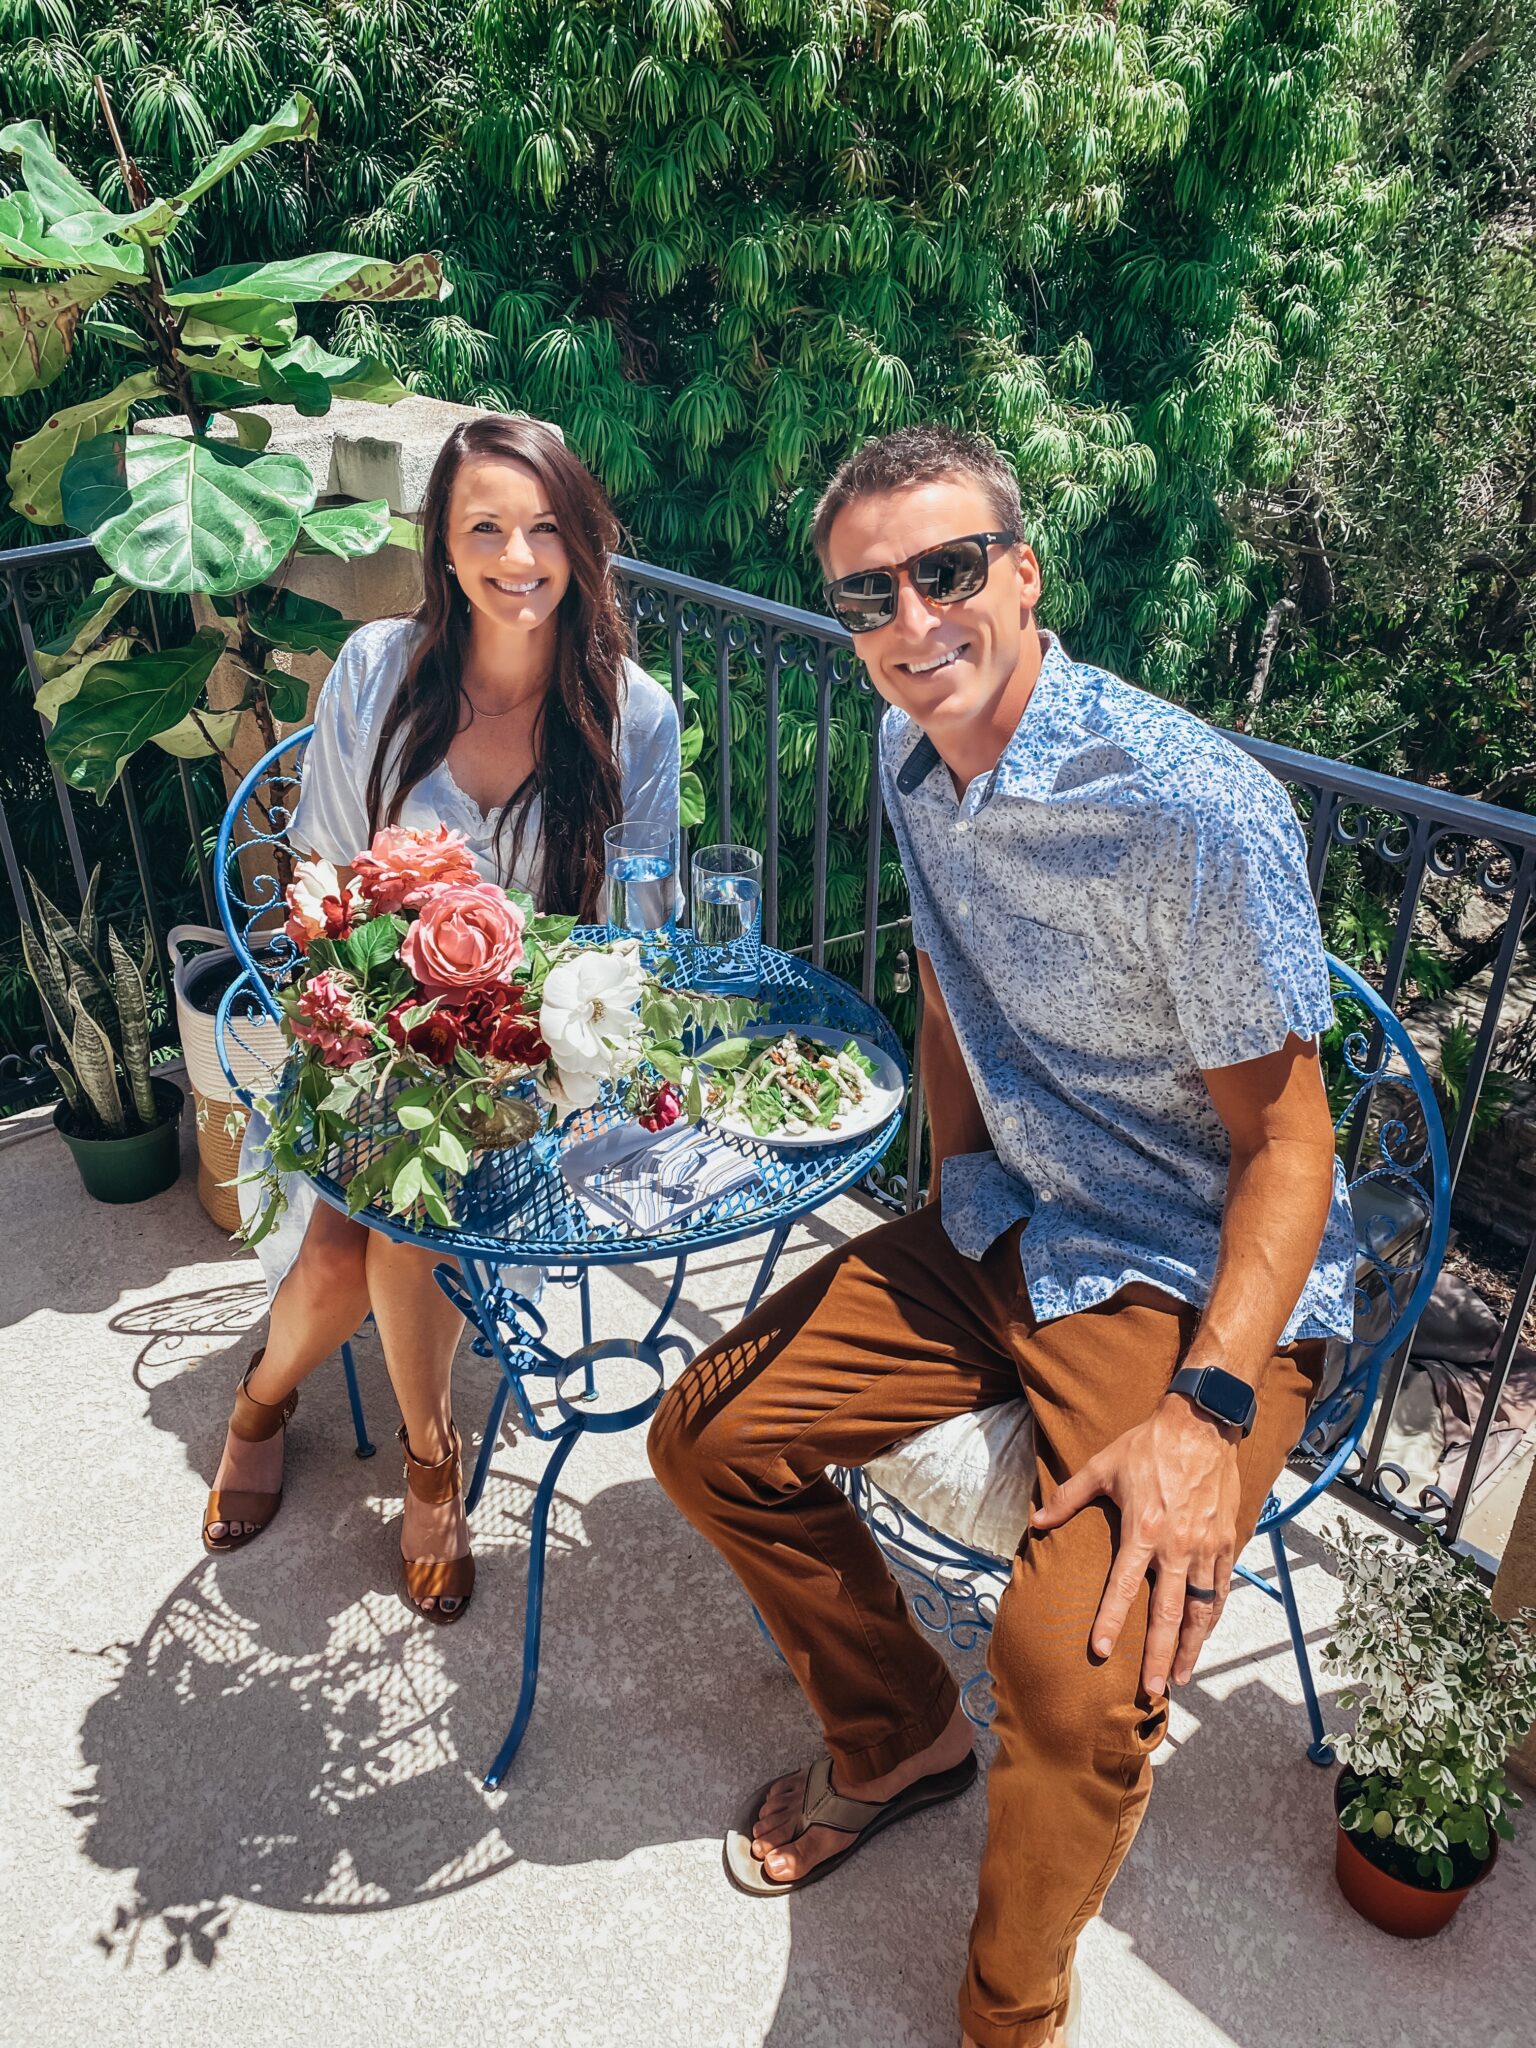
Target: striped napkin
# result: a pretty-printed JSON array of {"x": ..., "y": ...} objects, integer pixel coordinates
[{"x": 650, "y": 1179}]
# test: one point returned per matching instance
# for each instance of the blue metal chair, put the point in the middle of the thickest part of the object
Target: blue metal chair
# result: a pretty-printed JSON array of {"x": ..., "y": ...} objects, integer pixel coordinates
[
  {"x": 1393, "y": 1143},
  {"x": 253, "y": 912}
]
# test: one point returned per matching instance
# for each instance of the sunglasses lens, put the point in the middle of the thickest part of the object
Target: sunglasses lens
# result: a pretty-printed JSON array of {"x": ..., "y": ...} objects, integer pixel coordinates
[
  {"x": 865, "y": 602},
  {"x": 956, "y": 570}
]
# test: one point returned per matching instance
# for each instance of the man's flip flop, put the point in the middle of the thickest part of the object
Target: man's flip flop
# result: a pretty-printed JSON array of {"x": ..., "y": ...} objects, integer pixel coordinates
[{"x": 821, "y": 1807}]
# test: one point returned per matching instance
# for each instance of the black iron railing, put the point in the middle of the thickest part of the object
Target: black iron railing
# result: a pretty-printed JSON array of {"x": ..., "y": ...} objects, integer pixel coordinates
[{"x": 789, "y": 722}]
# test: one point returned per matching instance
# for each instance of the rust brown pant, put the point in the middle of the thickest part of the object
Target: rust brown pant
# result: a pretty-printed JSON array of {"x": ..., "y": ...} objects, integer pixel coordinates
[{"x": 880, "y": 1340}]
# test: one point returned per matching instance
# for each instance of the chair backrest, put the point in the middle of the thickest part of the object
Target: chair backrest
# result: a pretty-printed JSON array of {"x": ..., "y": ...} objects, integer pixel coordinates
[
  {"x": 1393, "y": 1141},
  {"x": 250, "y": 861}
]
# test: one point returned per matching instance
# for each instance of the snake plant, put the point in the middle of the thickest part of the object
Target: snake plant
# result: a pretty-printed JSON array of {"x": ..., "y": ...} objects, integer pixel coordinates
[{"x": 96, "y": 1009}]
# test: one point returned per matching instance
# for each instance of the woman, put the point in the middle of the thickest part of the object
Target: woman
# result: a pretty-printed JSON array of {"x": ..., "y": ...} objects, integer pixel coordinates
[{"x": 504, "y": 708}]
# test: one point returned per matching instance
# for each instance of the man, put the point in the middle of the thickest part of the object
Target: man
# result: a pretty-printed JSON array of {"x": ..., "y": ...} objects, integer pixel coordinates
[{"x": 1136, "y": 1216}]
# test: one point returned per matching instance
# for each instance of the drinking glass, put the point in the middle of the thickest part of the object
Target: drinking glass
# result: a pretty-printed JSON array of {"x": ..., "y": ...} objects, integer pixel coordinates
[
  {"x": 641, "y": 861},
  {"x": 727, "y": 919}
]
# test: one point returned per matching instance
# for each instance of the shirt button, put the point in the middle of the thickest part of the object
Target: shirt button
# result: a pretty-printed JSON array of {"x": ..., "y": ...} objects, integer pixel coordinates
[
  {"x": 963, "y": 825},
  {"x": 1045, "y": 1194},
  {"x": 962, "y": 908},
  {"x": 1010, "y": 1123}
]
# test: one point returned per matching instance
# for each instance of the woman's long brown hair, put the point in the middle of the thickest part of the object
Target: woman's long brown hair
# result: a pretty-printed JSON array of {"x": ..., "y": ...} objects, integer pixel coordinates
[{"x": 576, "y": 766}]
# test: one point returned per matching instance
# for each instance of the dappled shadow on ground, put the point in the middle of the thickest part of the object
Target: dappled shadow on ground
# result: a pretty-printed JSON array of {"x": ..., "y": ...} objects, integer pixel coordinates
[{"x": 286, "y": 1732}]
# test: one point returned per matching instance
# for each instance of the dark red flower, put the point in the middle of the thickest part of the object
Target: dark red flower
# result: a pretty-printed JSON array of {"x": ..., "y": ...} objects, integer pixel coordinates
[
  {"x": 664, "y": 1108},
  {"x": 340, "y": 921},
  {"x": 436, "y": 1038},
  {"x": 493, "y": 1023}
]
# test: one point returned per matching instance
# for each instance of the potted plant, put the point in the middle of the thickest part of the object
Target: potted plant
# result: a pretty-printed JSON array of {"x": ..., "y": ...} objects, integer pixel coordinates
[
  {"x": 118, "y": 1121},
  {"x": 1445, "y": 1688}
]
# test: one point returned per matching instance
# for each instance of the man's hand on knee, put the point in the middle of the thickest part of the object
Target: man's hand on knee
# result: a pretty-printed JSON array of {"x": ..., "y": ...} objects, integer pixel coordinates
[{"x": 1174, "y": 1479}]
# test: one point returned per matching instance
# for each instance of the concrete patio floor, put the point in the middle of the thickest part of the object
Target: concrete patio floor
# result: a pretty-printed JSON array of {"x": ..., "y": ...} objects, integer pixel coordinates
[{"x": 242, "y": 1799}]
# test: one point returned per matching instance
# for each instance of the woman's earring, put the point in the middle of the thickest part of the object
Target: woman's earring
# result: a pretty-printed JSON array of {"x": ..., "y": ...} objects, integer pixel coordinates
[{"x": 452, "y": 571}]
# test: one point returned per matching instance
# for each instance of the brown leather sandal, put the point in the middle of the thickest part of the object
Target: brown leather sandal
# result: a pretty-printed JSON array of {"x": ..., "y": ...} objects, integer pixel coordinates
[
  {"x": 430, "y": 1578},
  {"x": 253, "y": 1422}
]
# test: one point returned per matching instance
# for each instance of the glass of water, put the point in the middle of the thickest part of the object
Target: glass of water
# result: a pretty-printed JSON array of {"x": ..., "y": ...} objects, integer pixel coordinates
[
  {"x": 642, "y": 879},
  {"x": 727, "y": 919}
]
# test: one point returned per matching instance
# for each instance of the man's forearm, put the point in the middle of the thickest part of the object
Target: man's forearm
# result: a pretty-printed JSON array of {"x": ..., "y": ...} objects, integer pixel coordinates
[{"x": 1276, "y": 1209}]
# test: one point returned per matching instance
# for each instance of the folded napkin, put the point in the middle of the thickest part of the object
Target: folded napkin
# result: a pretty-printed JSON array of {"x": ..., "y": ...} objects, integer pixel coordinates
[{"x": 649, "y": 1179}]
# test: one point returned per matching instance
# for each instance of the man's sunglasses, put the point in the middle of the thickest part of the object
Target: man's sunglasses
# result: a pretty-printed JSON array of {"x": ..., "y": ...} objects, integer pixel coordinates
[{"x": 941, "y": 575}]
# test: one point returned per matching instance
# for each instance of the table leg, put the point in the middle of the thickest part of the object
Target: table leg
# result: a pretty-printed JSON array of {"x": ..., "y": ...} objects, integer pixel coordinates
[
  {"x": 533, "y": 1613},
  {"x": 776, "y": 1244}
]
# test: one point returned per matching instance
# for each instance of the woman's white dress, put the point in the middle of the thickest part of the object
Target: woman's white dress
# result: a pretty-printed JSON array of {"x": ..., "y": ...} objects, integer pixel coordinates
[{"x": 331, "y": 819}]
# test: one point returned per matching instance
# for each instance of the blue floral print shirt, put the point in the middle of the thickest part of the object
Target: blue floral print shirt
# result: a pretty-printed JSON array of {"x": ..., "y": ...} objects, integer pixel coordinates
[{"x": 1119, "y": 904}]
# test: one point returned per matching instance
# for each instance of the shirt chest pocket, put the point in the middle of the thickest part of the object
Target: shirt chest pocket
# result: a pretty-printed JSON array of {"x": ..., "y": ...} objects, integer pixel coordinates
[{"x": 1054, "y": 981}]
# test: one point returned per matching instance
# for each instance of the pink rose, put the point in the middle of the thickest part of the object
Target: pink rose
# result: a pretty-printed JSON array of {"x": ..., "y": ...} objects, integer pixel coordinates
[
  {"x": 328, "y": 1018},
  {"x": 403, "y": 864},
  {"x": 464, "y": 937}
]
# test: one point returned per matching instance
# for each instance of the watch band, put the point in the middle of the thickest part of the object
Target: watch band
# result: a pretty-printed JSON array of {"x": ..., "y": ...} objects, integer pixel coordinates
[{"x": 1221, "y": 1395}]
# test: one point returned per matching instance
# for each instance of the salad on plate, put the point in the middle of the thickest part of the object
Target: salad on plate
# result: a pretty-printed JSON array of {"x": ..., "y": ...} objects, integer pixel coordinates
[{"x": 797, "y": 1087}]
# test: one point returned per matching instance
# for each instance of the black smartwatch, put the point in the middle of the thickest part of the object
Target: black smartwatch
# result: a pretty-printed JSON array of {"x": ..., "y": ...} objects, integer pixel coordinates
[{"x": 1221, "y": 1395}]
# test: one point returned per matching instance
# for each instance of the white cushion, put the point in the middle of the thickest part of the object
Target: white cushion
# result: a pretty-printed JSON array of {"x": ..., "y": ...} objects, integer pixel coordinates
[{"x": 972, "y": 1477}]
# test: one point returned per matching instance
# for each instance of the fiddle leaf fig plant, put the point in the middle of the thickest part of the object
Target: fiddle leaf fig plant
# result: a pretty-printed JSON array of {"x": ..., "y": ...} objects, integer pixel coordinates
[{"x": 197, "y": 513}]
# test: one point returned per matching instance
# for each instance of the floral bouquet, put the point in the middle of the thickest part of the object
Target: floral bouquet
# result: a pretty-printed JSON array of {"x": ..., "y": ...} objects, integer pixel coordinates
[{"x": 424, "y": 988}]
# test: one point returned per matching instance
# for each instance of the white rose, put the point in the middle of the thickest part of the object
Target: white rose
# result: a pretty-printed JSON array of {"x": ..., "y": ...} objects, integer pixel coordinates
[{"x": 588, "y": 1017}]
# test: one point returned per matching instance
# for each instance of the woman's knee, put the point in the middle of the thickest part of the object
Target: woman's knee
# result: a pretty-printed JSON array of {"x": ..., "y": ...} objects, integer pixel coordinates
[{"x": 334, "y": 1254}]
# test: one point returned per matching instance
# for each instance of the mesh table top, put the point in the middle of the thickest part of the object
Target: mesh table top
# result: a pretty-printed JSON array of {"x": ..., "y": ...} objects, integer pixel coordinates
[{"x": 515, "y": 1207}]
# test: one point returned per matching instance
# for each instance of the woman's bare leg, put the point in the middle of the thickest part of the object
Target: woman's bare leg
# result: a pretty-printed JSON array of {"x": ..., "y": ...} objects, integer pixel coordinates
[
  {"x": 419, "y": 1329},
  {"x": 323, "y": 1299}
]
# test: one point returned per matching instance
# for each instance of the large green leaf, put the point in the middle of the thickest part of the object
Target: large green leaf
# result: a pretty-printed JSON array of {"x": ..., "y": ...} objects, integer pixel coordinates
[
  {"x": 306, "y": 280},
  {"x": 38, "y": 463},
  {"x": 295, "y": 121},
  {"x": 121, "y": 704},
  {"x": 242, "y": 323},
  {"x": 347, "y": 530},
  {"x": 67, "y": 682},
  {"x": 37, "y": 330},
  {"x": 104, "y": 601},
  {"x": 72, "y": 210},
  {"x": 308, "y": 394},
  {"x": 199, "y": 734},
  {"x": 173, "y": 512},
  {"x": 302, "y": 625},
  {"x": 26, "y": 238},
  {"x": 304, "y": 375},
  {"x": 287, "y": 695}
]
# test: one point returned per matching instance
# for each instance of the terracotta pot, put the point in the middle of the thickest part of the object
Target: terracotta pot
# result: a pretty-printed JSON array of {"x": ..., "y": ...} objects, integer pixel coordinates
[{"x": 1412, "y": 1912}]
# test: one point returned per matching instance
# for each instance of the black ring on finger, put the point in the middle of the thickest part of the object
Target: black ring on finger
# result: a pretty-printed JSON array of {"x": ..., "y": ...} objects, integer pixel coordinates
[{"x": 1206, "y": 1593}]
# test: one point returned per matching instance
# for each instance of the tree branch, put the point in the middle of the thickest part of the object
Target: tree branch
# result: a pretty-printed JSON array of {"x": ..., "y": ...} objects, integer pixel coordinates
[{"x": 1280, "y": 611}]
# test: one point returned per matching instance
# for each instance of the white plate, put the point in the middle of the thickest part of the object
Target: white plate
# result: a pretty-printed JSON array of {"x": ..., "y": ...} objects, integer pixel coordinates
[{"x": 883, "y": 1099}]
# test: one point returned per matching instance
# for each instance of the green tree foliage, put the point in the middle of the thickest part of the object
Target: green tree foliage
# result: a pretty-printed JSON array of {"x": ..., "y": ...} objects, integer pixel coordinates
[{"x": 1400, "y": 552}]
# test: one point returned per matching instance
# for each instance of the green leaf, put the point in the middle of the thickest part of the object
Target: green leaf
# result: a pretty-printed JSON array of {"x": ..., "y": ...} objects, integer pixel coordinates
[
  {"x": 241, "y": 324},
  {"x": 404, "y": 533},
  {"x": 287, "y": 696},
  {"x": 105, "y": 600},
  {"x": 38, "y": 463},
  {"x": 252, "y": 430},
  {"x": 73, "y": 213},
  {"x": 347, "y": 530},
  {"x": 27, "y": 239},
  {"x": 692, "y": 744},
  {"x": 200, "y": 734},
  {"x": 181, "y": 513},
  {"x": 729, "y": 1054},
  {"x": 69, "y": 678},
  {"x": 415, "y": 1116},
  {"x": 373, "y": 943},
  {"x": 449, "y": 1151},
  {"x": 308, "y": 394},
  {"x": 121, "y": 704},
  {"x": 332, "y": 278},
  {"x": 295, "y": 121},
  {"x": 690, "y": 801},
  {"x": 37, "y": 330},
  {"x": 551, "y": 931},
  {"x": 407, "y": 1185},
  {"x": 303, "y": 625}
]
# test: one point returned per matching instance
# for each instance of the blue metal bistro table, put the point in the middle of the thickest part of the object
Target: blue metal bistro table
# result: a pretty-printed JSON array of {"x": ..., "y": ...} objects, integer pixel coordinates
[{"x": 515, "y": 1209}]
